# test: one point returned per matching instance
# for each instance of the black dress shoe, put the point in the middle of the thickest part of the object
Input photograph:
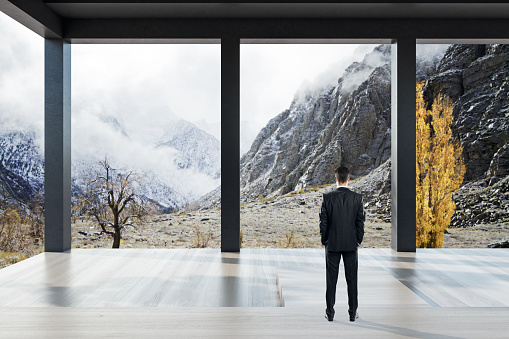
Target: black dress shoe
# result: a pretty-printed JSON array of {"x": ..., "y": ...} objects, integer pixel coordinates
[
  {"x": 354, "y": 316},
  {"x": 329, "y": 317}
]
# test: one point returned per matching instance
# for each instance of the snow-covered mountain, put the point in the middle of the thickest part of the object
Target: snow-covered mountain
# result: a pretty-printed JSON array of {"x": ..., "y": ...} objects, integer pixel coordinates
[
  {"x": 197, "y": 149},
  {"x": 21, "y": 165},
  {"x": 178, "y": 162},
  {"x": 181, "y": 164}
]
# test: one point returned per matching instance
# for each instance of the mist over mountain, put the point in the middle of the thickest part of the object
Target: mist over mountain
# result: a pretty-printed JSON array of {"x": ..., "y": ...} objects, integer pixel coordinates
[
  {"x": 348, "y": 124},
  {"x": 178, "y": 162},
  {"x": 428, "y": 57},
  {"x": 197, "y": 149}
]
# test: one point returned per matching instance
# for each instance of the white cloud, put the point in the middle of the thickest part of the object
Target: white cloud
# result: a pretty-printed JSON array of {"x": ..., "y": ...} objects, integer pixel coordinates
[
  {"x": 430, "y": 51},
  {"x": 21, "y": 77},
  {"x": 136, "y": 79}
]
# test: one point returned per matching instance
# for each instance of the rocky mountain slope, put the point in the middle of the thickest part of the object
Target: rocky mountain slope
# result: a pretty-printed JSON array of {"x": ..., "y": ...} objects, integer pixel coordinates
[
  {"x": 346, "y": 124},
  {"x": 476, "y": 78},
  {"x": 21, "y": 165}
]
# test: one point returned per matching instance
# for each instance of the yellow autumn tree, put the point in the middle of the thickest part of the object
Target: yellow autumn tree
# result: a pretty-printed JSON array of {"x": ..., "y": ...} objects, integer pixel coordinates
[{"x": 439, "y": 170}]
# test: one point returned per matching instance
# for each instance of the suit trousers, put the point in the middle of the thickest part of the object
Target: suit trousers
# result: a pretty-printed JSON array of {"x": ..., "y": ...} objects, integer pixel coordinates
[{"x": 351, "y": 264}]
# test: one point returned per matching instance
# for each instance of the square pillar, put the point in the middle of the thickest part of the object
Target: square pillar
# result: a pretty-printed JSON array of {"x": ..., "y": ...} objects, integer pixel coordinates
[
  {"x": 57, "y": 145},
  {"x": 403, "y": 145},
  {"x": 230, "y": 144}
]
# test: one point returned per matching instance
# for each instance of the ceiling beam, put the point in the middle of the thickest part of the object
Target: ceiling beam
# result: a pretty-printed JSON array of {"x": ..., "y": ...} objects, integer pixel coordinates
[
  {"x": 132, "y": 30},
  {"x": 35, "y": 15}
]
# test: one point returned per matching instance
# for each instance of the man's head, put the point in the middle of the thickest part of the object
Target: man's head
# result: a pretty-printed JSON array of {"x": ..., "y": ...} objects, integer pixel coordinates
[{"x": 342, "y": 175}]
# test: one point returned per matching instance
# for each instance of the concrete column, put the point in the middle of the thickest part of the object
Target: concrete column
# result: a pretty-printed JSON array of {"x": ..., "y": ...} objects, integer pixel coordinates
[
  {"x": 57, "y": 145},
  {"x": 230, "y": 144},
  {"x": 403, "y": 145}
]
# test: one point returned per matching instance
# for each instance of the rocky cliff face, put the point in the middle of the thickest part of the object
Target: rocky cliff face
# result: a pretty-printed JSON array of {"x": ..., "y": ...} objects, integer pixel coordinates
[
  {"x": 476, "y": 78},
  {"x": 348, "y": 124}
]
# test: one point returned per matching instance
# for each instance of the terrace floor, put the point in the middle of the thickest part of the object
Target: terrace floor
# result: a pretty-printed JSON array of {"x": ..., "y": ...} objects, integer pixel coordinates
[{"x": 434, "y": 293}]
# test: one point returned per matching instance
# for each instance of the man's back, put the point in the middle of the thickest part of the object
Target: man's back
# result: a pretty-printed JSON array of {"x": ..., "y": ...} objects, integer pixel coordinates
[
  {"x": 342, "y": 229},
  {"x": 342, "y": 220}
]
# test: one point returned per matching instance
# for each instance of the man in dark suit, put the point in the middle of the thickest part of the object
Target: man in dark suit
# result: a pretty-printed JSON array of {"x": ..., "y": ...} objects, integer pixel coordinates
[{"x": 342, "y": 229}]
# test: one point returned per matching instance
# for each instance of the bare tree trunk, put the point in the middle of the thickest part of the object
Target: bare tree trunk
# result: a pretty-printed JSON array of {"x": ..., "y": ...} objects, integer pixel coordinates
[{"x": 116, "y": 238}]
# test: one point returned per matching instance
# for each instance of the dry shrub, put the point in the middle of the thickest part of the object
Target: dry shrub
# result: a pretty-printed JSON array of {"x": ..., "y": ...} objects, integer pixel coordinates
[
  {"x": 20, "y": 237},
  {"x": 291, "y": 240},
  {"x": 203, "y": 237},
  {"x": 12, "y": 230}
]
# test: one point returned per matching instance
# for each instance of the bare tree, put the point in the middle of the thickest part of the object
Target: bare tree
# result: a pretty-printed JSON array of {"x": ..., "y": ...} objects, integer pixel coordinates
[{"x": 111, "y": 199}]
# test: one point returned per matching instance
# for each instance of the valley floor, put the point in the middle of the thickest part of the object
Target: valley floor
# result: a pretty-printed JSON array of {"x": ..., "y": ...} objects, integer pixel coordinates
[
  {"x": 290, "y": 221},
  {"x": 183, "y": 234}
]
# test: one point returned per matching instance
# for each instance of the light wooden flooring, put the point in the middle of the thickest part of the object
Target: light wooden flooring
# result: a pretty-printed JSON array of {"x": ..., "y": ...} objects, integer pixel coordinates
[{"x": 183, "y": 293}]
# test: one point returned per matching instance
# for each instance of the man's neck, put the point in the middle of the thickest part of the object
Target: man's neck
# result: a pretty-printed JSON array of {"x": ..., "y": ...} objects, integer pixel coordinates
[{"x": 343, "y": 184}]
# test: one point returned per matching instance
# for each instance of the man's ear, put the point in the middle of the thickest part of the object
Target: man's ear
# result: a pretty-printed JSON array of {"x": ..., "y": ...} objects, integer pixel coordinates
[{"x": 335, "y": 179}]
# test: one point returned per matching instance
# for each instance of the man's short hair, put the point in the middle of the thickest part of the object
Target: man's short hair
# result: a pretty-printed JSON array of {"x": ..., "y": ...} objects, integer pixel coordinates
[{"x": 342, "y": 173}]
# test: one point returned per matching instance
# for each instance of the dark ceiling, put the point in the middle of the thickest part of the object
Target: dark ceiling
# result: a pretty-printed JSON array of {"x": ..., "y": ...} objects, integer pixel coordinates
[
  {"x": 80, "y": 21},
  {"x": 280, "y": 9}
]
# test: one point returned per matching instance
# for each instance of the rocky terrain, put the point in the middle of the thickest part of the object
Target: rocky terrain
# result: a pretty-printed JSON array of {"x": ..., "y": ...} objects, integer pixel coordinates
[
  {"x": 479, "y": 202},
  {"x": 290, "y": 220},
  {"x": 296, "y": 146}
]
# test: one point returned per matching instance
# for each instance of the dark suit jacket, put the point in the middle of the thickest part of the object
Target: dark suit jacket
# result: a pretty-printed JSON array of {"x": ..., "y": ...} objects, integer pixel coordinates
[{"x": 342, "y": 220}]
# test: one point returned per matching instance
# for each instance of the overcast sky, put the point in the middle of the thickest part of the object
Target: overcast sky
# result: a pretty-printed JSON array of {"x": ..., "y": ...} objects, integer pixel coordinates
[
  {"x": 144, "y": 85},
  {"x": 21, "y": 76},
  {"x": 148, "y": 84}
]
